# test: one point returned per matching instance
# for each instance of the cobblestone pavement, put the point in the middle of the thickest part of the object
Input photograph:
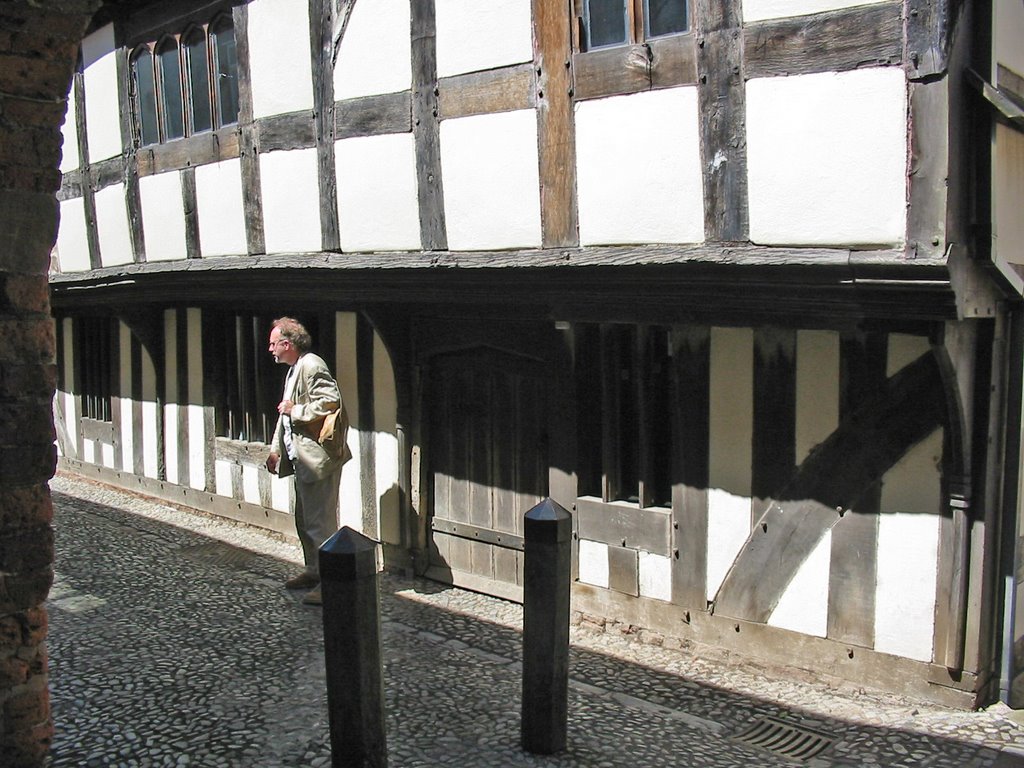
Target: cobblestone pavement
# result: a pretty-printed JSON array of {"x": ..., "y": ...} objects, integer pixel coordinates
[{"x": 173, "y": 643}]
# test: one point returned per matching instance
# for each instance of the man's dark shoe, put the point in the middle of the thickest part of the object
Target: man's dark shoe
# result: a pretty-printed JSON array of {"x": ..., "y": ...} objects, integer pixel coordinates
[{"x": 302, "y": 581}]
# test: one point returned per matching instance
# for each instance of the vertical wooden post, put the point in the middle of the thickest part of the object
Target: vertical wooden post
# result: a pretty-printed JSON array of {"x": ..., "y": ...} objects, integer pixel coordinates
[
  {"x": 548, "y": 533},
  {"x": 351, "y": 616}
]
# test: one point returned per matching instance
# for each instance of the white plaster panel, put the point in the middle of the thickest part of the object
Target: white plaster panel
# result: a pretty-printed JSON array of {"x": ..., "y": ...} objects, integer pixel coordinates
[
  {"x": 1008, "y": 200},
  {"x": 827, "y": 158},
  {"x": 905, "y": 597},
  {"x": 731, "y": 410},
  {"x": 280, "y": 493},
  {"x": 150, "y": 417},
  {"x": 378, "y": 204},
  {"x": 107, "y": 451},
  {"x": 70, "y": 411},
  {"x": 196, "y": 416},
  {"x": 280, "y": 62},
  {"x": 758, "y": 10},
  {"x": 291, "y": 201},
  {"x": 375, "y": 55},
  {"x": 163, "y": 216},
  {"x": 728, "y": 529},
  {"x": 803, "y": 607},
  {"x": 903, "y": 349},
  {"x": 914, "y": 482},
  {"x": 220, "y": 208},
  {"x": 638, "y": 167},
  {"x": 385, "y": 414},
  {"x": 128, "y": 428},
  {"x": 72, "y": 237},
  {"x": 655, "y": 576},
  {"x": 250, "y": 484},
  {"x": 69, "y": 157},
  {"x": 346, "y": 373},
  {"x": 102, "y": 109},
  {"x": 89, "y": 451},
  {"x": 491, "y": 181},
  {"x": 473, "y": 36},
  {"x": 593, "y": 563},
  {"x": 1008, "y": 30},
  {"x": 124, "y": 384},
  {"x": 817, "y": 388},
  {"x": 112, "y": 225},
  {"x": 222, "y": 477},
  {"x": 171, "y": 443}
]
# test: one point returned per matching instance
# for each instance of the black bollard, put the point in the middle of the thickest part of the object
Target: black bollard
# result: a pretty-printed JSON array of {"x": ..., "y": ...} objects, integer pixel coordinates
[
  {"x": 548, "y": 558},
  {"x": 355, "y": 683}
]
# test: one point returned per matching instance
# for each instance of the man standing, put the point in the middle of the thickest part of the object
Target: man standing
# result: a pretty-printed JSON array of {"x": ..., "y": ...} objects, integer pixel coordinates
[{"x": 310, "y": 393}]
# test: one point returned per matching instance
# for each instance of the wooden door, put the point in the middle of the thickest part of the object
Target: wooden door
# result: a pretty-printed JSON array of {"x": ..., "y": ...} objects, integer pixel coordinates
[{"x": 487, "y": 459}]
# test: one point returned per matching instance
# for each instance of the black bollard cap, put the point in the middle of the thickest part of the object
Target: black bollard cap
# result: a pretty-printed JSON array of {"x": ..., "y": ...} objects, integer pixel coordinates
[
  {"x": 347, "y": 556},
  {"x": 549, "y": 521}
]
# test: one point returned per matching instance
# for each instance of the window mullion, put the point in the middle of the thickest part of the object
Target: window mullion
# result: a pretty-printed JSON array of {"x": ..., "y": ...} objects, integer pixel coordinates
[{"x": 636, "y": 21}]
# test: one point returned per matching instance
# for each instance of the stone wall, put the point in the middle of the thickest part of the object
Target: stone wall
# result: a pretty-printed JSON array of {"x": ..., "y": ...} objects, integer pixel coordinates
[{"x": 38, "y": 47}]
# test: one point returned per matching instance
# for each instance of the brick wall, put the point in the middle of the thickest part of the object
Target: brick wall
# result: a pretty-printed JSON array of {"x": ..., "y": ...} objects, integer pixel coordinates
[{"x": 38, "y": 47}]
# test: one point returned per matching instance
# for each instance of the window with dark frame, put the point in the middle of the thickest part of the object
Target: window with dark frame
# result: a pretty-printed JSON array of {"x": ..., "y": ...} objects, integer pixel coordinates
[
  {"x": 94, "y": 358},
  {"x": 624, "y": 394},
  {"x": 608, "y": 23},
  {"x": 184, "y": 84},
  {"x": 247, "y": 381}
]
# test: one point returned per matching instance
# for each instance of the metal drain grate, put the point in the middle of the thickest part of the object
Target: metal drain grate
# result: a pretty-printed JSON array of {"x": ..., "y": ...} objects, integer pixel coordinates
[{"x": 794, "y": 742}]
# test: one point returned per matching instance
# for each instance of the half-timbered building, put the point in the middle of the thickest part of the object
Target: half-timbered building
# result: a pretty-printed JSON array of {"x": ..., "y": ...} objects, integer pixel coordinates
[{"x": 737, "y": 282}]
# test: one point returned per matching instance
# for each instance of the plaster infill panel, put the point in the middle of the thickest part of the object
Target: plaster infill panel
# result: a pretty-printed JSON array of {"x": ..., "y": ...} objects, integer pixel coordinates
[
  {"x": 102, "y": 109},
  {"x": 378, "y": 208},
  {"x": 803, "y": 607},
  {"x": 112, "y": 225},
  {"x": 817, "y": 389},
  {"x": 69, "y": 157},
  {"x": 491, "y": 181},
  {"x": 280, "y": 60},
  {"x": 593, "y": 563},
  {"x": 638, "y": 169},
  {"x": 758, "y": 10},
  {"x": 72, "y": 237},
  {"x": 163, "y": 216},
  {"x": 474, "y": 36},
  {"x": 220, "y": 207},
  {"x": 379, "y": 35},
  {"x": 1008, "y": 29},
  {"x": 291, "y": 201},
  {"x": 655, "y": 572},
  {"x": 1008, "y": 201},
  {"x": 827, "y": 158}
]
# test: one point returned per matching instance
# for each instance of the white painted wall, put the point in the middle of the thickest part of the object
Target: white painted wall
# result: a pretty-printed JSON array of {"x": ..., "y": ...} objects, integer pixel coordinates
[
  {"x": 655, "y": 576},
  {"x": 817, "y": 389},
  {"x": 128, "y": 426},
  {"x": 281, "y": 493},
  {"x": 491, "y": 181},
  {"x": 250, "y": 484},
  {"x": 196, "y": 421},
  {"x": 473, "y": 36},
  {"x": 291, "y": 201},
  {"x": 150, "y": 414},
  {"x": 375, "y": 55},
  {"x": 1008, "y": 29},
  {"x": 1008, "y": 200},
  {"x": 803, "y": 606},
  {"x": 350, "y": 499},
  {"x": 72, "y": 237},
  {"x": 222, "y": 477},
  {"x": 758, "y": 10},
  {"x": 378, "y": 206},
  {"x": 730, "y": 454},
  {"x": 163, "y": 216},
  {"x": 827, "y": 158},
  {"x": 69, "y": 159},
  {"x": 70, "y": 408},
  {"x": 220, "y": 208},
  {"x": 171, "y": 396},
  {"x": 904, "y": 349},
  {"x": 638, "y": 169},
  {"x": 112, "y": 225},
  {"x": 385, "y": 415},
  {"x": 102, "y": 110},
  {"x": 593, "y": 563},
  {"x": 280, "y": 62}
]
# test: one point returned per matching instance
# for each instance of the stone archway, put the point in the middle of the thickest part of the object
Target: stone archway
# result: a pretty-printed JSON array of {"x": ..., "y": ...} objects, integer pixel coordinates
[{"x": 38, "y": 49}]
